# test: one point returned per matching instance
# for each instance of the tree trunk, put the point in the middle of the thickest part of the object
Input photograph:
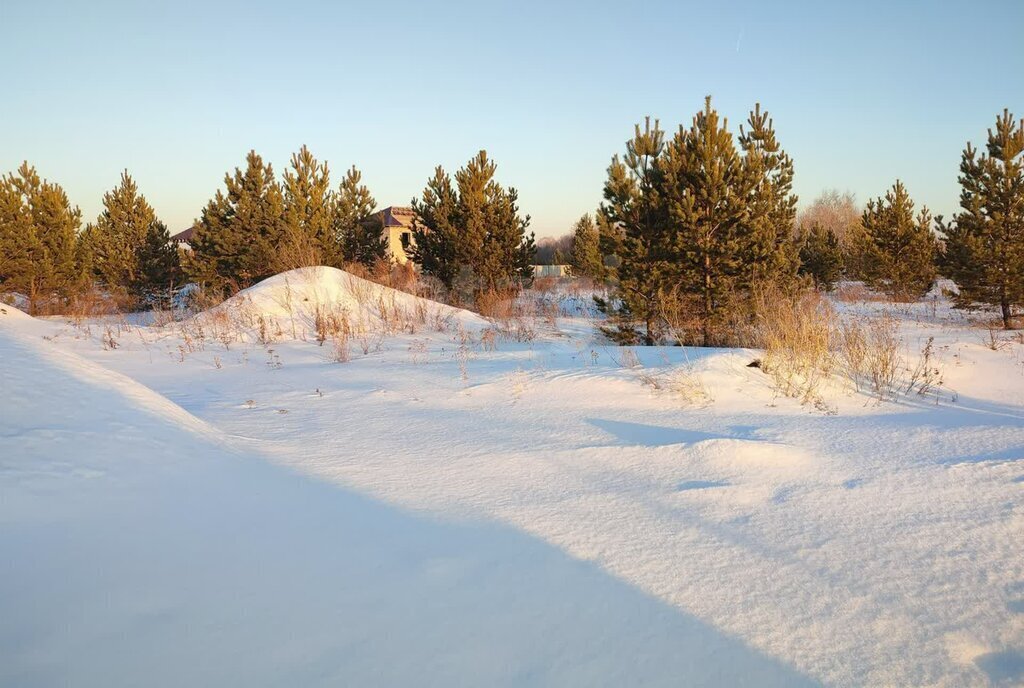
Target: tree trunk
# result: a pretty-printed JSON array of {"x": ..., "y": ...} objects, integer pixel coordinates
[
  {"x": 706, "y": 325},
  {"x": 1005, "y": 306}
]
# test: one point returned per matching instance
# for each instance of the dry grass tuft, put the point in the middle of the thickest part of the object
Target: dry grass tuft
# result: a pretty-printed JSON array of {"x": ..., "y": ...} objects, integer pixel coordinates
[{"x": 797, "y": 331}]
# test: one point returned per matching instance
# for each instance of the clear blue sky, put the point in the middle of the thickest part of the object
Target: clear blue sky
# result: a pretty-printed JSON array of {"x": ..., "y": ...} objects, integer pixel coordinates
[{"x": 178, "y": 92}]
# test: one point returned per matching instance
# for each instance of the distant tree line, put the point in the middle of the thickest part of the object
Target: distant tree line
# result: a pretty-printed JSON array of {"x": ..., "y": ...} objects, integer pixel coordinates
[
  {"x": 691, "y": 227},
  {"x": 257, "y": 225},
  {"x": 47, "y": 258}
]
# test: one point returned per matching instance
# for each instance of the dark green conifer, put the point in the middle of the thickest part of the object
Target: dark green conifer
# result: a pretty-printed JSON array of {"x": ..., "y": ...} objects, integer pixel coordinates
[
  {"x": 637, "y": 220},
  {"x": 821, "y": 256},
  {"x": 117, "y": 235},
  {"x": 356, "y": 230},
  {"x": 236, "y": 239},
  {"x": 40, "y": 226},
  {"x": 898, "y": 249},
  {"x": 710, "y": 194},
  {"x": 984, "y": 245},
  {"x": 309, "y": 235},
  {"x": 695, "y": 224},
  {"x": 586, "y": 260},
  {"x": 159, "y": 268},
  {"x": 473, "y": 228},
  {"x": 436, "y": 229},
  {"x": 21, "y": 251},
  {"x": 772, "y": 251}
]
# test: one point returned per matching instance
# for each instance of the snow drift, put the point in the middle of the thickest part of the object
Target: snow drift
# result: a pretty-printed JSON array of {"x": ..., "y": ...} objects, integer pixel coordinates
[
  {"x": 323, "y": 302},
  {"x": 140, "y": 547}
]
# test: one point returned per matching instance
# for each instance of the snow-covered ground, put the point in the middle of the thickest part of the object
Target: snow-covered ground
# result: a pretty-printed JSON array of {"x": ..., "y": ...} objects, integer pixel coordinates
[{"x": 223, "y": 502}]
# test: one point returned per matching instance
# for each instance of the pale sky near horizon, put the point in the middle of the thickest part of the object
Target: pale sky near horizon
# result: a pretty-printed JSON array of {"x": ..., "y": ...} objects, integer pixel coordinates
[{"x": 177, "y": 93}]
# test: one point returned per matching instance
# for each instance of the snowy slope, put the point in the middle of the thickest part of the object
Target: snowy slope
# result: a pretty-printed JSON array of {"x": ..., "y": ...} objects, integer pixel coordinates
[
  {"x": 290, "y": 304},
  {"x": 877, "y": 546},
  {"x": 140, "y": 547}
]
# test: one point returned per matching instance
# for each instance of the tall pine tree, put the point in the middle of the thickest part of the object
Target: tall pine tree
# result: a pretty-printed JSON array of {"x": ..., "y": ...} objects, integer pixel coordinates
[
  {"x": 235, "y": 240},
  {"x": 586, "y": 259},
  {"x": 473, "y": 227},
  {"x": 118, "y": 234},
  {"x": 773, "y": 253},
  {"x": 695, "y": 223},
  {"x": 984, "y": 246},
  {"x": 636, "y": 217},
  {"x": 39, "y": 226},
  {"x": 821, "y": 255},
  {"x": 710, "y": 191},
  {"x": 159, "y": 275},
  {"x": 898, "y": 248},
  {"x": 21, "y": 251},
  {"x": 436, "y": 229},
  {"x": 356, "y": 231},
  {"x": 309, "y": 235}
]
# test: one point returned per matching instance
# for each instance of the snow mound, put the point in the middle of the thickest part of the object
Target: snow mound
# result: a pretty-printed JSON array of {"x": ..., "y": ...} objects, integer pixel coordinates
[
  {"x": 10, "y": 313},
  {"x": 324, "y": 301}
]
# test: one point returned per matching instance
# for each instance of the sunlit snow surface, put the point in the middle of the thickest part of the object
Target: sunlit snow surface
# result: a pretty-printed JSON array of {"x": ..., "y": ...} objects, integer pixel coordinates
[{"x": 436, "y": 513}]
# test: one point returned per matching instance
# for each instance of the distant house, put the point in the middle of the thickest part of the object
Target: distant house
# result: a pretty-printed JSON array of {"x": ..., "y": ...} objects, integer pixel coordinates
[
  {"x": 182, "y": 239},
  {"x": 557, "y": 271},
  {"x": 397, "y": 223}
]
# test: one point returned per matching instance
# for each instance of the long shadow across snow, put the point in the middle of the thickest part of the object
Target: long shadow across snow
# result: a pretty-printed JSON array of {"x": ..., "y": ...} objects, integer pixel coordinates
[
  {"x": 248, "y": 575},
  {"x": 174, "y": 561}
]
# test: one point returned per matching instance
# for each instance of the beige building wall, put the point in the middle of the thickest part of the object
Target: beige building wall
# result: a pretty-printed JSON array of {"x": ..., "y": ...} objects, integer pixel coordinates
[
  {"x": 397, "y": 223},
  {"x": 398, "y": 239}
]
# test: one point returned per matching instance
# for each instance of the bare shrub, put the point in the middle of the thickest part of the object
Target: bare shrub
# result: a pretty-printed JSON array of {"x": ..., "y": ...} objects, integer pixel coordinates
[
  {"x": 550, "y": 311},
  {"x": 463, "y": 353},
  {"x": 369, "y": 341},
  {"x": 687, "y": 384},
  {"x": 796, "y": 329},
  {"x": 857, "y": 292},
  {"x": 544, "y": 285},
  {"x": 162, "y": 317},
  {"x": 870, "y": 350},
  {"x": 441, "y": 319},
  {"x": 489, "y": 339},
  {"x": 109, "y": 339},
  {"x": 340, "y": 352},
  {"x": 626, "y": 358},
  {"x": 203, "y": 299},
  {"x": 993, "y": 338},
  {"x": 926, "y": 375},
  {"x": 90, "y": 303},
  {"x": 330, "y": 323},
  {"x": 496, "y": 304},
  {"x": 404, "y": 278},
  {"x": 418, "y": 350},
  {"x": 297, "y": 250},
  {"x": 835, "y": 210}
]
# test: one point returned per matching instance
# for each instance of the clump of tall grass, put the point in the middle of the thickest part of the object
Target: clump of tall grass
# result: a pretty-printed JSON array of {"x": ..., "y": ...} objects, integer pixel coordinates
[
  {"x": 797, "y": 330},
  {"x": 870, "y": 350}
]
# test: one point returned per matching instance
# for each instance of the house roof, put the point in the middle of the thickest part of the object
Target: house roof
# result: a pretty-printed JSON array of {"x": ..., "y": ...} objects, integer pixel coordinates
[
  {"x": 398, "y": 216},
  {"x": 183, "y": 237}
]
